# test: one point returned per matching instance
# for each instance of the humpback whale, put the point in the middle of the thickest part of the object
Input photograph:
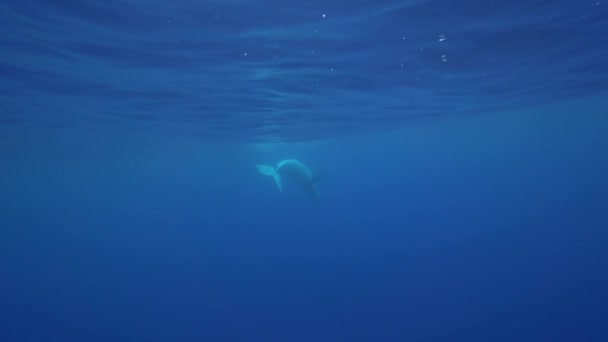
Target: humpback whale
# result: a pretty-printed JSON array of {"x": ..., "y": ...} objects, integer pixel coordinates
[{"x": 294, "y": 170}]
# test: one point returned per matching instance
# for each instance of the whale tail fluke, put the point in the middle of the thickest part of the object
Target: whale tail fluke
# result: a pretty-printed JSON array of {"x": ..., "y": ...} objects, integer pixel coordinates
[{"x": 270, "y": 171}]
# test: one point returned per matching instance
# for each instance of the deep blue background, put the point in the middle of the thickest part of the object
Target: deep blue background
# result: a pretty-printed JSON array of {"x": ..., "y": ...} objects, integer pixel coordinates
[{"x": 464, "y": 200}]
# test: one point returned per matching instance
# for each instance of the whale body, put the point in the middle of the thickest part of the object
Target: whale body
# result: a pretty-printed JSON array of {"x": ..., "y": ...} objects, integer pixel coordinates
[{"x": 294, "y": 170}]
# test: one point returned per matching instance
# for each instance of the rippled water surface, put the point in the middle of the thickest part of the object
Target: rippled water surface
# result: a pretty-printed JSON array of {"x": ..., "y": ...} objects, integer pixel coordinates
[{"x": 248, "y": 70}]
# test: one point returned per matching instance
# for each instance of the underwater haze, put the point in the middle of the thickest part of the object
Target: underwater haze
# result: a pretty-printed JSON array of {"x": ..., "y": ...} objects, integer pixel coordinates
[{"x": 457, "y": 152}]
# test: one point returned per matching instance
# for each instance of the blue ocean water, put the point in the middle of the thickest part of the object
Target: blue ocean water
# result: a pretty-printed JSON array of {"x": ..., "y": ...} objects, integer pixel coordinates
[{"x": 463, "y": 148}]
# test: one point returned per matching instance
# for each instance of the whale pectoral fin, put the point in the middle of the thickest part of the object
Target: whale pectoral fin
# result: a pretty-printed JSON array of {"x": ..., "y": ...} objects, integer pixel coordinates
[
  {"x": 271, "y": 171},
  {"x": 265, "y": 169},
  {"x": 277, "y": 180}
]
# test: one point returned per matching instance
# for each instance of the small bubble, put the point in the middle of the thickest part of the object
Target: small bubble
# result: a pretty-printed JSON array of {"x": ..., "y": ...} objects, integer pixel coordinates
[
  {"x": 244, "y": 53},
  {"x": 441, "y": 37},
  {"x": 323, "y": 15},
  {"x": 444, "y": 58}
]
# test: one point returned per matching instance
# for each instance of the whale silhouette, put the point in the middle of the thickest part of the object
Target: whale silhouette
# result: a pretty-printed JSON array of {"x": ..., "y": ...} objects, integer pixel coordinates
[{"x": 294, "y": 170}]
